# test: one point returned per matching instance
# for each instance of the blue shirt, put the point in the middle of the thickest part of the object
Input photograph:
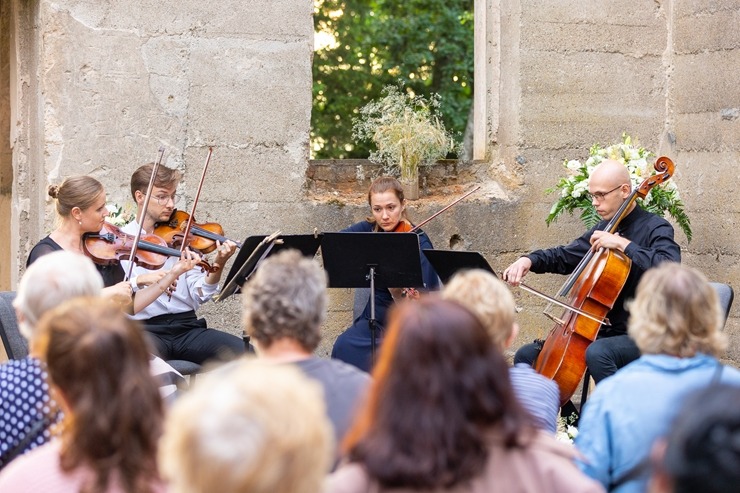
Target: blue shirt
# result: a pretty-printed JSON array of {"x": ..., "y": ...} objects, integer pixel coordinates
[{"x": 633, "y": 407}]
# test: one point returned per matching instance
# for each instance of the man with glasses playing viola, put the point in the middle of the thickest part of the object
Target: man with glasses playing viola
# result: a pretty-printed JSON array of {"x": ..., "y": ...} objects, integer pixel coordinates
[
  {"x": 170, "y": 320},
  {"x": 644, "y": 238}
]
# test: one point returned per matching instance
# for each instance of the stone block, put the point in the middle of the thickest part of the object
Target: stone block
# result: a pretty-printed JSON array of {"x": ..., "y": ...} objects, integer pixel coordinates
[
  {"x": 706, "y": 82},
  {"x": 709, "y": 132},
  {"x": 269, "y": 83},
  {"x": 707, "y": 30},
  {"x": 231, "y": 18}
]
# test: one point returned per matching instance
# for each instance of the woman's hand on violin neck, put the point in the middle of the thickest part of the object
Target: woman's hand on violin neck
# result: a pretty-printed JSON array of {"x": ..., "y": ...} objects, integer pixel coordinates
[
  {"x": 120, "y": 293},
  {"x": 514, "y": 274},
  {"x": 602, "y": 239}
]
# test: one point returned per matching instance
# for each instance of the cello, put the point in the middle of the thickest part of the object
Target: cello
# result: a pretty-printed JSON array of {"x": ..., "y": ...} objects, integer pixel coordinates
[{"x": 591, "y": 291}]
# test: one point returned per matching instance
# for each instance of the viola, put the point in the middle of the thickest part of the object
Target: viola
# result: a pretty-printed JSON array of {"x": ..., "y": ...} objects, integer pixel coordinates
[
  {"x": 112, "y": 245},
  {"x": 202, "y": 236},
  {"x": 405, "y": 226},
  {"x": 591, "y": 292}
]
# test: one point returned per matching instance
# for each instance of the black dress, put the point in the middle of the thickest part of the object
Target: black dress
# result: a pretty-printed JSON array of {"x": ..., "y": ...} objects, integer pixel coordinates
[{"x": 112, "y": 274}]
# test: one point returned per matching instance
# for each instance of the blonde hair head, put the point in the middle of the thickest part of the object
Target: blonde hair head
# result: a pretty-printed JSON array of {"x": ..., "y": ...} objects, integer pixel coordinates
[
  {"x": 252, "y": 426},
  {"x": 488, "y": 298},
  {"x": 676, "y": 311}
]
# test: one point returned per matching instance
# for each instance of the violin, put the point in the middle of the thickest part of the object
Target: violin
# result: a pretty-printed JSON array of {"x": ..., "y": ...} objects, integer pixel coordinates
[
  {"x": 592, "y": 290},
  {"x": 112, "y": 245},
  {"x": 405, "y": 226},
  {"x": 202, "y": 236}
]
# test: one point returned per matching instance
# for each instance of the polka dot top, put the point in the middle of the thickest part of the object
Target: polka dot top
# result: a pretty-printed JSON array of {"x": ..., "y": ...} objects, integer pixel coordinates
[{"x": 24, "y": 401}]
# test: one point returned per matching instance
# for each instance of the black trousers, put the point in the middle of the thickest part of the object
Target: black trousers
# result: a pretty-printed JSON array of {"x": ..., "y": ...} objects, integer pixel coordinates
[
  {"x": 604, "y": 356},
  {"x": 184, "y": 336}
]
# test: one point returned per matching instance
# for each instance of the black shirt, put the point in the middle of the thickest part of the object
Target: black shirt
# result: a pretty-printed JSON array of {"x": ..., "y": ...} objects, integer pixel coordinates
[
  {"x": 652, "y": 242},
  {"x": 112, "y": 274}
]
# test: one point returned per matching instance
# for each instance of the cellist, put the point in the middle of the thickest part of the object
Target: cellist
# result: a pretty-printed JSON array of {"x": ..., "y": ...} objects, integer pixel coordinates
[{"x": 645, "y": 238}]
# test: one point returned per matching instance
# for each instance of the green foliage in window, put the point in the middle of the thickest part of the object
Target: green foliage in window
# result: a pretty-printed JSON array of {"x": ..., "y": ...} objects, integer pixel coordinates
[{"x": 364, "y": 45}]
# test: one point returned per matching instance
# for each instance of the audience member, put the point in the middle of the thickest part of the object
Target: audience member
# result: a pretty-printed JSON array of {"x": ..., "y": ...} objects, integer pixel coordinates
[
  {"x": 51, "y": 280},
  {"x": 675, "y": 319},
  {"x": 442, "y": 416},
  {"x": 98, "y": 364},
  {"x": 284, "y": 308},
  {"x": 27, "y": 412},
  {"x": 491, "y": 301},
  {"x": 248, "y": 426},
  {"x": 702, "y": 450}
]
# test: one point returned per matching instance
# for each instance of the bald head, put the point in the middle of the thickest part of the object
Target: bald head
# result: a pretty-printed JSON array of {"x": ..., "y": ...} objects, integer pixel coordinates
[
  {"x": 610, "y": 172},
  {"x": 609, "y": 186}
]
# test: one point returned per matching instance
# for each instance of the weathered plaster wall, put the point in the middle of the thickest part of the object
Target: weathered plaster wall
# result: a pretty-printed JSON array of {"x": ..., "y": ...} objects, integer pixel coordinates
[
  {"x": 6, "y": 163},
  {"x": 101, "y": 86}
]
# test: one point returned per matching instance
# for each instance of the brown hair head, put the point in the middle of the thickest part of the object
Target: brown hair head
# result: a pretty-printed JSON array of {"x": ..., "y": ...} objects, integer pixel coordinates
[
  {"x": 99, "y": 360},
  {"x": 384, "y": 184},
  {"x": 76, "y": 191},
  {"x": 166, "y": 178},
  {"x": 439, "y": 365}
]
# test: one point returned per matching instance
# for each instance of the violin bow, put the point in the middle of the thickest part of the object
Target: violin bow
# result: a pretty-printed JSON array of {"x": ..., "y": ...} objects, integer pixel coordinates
[
  {"x": 195, "y": 202},
  {"x": 415, "y": 228},
  {"x": 144, "y": 208}
]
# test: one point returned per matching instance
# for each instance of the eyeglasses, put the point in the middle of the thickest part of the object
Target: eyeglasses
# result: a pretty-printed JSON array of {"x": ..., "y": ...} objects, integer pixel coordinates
[
  {"x": 599, "y": 196},
  {"x": 164, "y": 199}
]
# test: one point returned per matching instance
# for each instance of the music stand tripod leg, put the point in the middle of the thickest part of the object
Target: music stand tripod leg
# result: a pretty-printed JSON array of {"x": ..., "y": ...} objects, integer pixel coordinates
[{"x": 372, "y": 320}]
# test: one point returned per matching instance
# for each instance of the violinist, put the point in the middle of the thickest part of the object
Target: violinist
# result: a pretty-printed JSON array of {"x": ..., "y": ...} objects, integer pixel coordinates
[
  {"x": 388, "y": 209},
  {"x": 170, "y": 320},
  {"x": 645, "y": 238},
  {"x": 80, "y": 206}
]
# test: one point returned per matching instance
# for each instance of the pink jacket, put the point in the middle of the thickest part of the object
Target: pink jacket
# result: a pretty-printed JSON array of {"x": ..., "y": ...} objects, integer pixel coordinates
[{"x": 545, "y": 466}]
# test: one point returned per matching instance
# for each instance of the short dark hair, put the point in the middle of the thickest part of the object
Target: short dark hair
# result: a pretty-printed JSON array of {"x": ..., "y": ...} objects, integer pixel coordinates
[
  {"x": 440, "y": 367},
  {"x": 703, "y": 447},
  {"x": 166, "y": 177}
]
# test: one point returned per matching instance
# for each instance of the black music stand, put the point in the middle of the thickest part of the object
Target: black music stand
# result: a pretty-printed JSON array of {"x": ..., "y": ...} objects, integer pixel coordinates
[
  {"x": 448, "y": 262},
  {"x": 257, "y": 248},
  {"x": 360, "y": 260}
]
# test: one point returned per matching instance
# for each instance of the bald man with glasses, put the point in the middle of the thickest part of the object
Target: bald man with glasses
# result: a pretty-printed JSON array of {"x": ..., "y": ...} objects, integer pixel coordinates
[{"x": 644, "y": 237}]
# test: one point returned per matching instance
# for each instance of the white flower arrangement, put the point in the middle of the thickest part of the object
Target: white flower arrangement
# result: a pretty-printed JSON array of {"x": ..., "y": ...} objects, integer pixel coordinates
[
  {"x": 120, "y": 215},
  {"x": 567, "y": 431},
  {"x": 573, "y": 188}
]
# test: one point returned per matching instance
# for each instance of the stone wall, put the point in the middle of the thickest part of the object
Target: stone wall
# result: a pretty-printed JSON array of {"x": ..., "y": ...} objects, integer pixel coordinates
[{"x": 99, "y": 87}]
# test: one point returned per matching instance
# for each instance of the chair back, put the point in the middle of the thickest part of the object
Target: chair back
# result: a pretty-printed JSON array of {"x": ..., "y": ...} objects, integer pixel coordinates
[
  {"x": 16, "y": 346},
  {"x": 726, "y": 296}
]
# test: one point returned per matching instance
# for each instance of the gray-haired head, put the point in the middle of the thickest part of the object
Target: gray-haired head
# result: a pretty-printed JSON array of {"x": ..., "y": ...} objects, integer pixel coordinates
[{"x": 50, "y": 281}]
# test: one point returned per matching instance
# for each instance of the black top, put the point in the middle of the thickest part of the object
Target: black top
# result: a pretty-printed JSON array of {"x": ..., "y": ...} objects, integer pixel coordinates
[
  {"x": 112, "y": 274},
  {"x": 652, "y": 242}
]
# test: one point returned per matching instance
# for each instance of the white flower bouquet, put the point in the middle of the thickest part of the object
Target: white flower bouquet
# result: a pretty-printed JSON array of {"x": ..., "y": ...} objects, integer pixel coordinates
[
  {"x": 573, "y": 188},
  {"x": 120, "y": 215}
]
